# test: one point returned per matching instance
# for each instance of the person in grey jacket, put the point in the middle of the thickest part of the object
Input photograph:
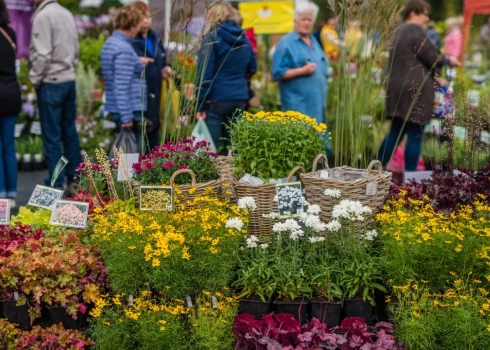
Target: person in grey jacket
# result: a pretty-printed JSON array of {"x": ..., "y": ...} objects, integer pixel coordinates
[{"x": 53, "y": 55}]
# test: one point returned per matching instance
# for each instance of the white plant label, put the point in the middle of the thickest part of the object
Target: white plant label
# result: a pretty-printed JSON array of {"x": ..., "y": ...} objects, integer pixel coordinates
[
  {"x": 131, "y": 300},
  {"x": 58, "y": 169},
  {"x": 16, "y": 296},
  {"x": 4, "y": 211},
  {"x": 36, "y": 128},
  {"x": 125, "y": 169},
  {"x": 188, "y": 300},
  {"x": 323, "y": 174},
  {"x": 18, "y": 129},
  {"x": 371, "y": 188},
  {"x": 214, "y": 302}
]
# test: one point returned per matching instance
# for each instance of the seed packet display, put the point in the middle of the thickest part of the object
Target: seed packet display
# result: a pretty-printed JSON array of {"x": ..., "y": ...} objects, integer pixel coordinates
[
  {"x": 44, "y": 197},
  {"x": 157, "y": 198},
  {"x": 70, "y": 214},
  {"x": 289, "y": 199},
  {"x": 4, "y": 211}
]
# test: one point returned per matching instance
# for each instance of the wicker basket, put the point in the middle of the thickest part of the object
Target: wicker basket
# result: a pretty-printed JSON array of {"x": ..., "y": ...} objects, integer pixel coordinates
[
  {"x": 226, "y": 171},
  {"x": 315, "y": 186},
  {"x": 181, "y": 192},
  {"x": 264, "y": 199}
]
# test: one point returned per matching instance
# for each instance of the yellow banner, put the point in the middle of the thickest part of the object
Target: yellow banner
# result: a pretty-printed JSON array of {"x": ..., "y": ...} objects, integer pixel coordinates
[{"x": 268, "y": 17}]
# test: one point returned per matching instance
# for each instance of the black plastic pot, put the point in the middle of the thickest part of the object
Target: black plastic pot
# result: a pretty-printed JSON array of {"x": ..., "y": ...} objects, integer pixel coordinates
[
  {"x": 298, "y": 308},
  {"x": 36, "y": 166},
  {"x": 254, "y": 307},
  {"x": 358, "y": 308},
  {"x": 16, "y": 314},
  {"x": 326, "y": 311},
  {"x": 58, "y": 315},
  {"x": 26, "y": 166}
]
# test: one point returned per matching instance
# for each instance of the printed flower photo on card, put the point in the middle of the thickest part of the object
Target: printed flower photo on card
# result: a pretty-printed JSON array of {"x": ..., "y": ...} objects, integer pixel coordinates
[
  {"x": 70, "y": 214},
  {"x": 44, "y": 197},
  {"x": 4, "y": 211},
  {"x": 290, "y": 199},
  {"x": 156, "y": 198}
]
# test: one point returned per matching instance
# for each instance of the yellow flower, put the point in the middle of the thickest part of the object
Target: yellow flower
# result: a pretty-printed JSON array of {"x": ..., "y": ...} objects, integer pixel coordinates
[
  {"x": 155, "y": 262},
  {"x": 458, "y": 248},
  {"x": 132, "y": 247}
]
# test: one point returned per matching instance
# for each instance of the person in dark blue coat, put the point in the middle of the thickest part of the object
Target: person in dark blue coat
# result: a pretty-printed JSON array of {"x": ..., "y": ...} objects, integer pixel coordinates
[
  {"x": 225, "y": 61},
  {"x": 148, "y": 46}
]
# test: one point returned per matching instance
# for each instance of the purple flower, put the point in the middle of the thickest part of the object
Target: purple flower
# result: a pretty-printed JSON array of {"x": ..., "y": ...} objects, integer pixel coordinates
[{"x": 28, "y": 109}]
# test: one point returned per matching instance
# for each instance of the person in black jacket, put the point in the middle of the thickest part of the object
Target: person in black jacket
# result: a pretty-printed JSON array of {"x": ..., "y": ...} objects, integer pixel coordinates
[
  {"x": 148, "y": 46},
  {"x": 10, "y": 106}
]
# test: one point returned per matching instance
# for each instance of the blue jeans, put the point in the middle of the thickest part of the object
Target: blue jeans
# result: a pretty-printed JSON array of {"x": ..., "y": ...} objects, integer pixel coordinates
[
  {"x": 219, "y": 115},
  {"x": 58, "y": 113},
  {"x": 8, "y": 162},
  {"x": 413, "y": 148},
  {"x": 116, "y": 118}
]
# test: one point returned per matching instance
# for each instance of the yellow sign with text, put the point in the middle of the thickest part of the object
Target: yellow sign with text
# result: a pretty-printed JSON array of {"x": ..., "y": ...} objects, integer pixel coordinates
[{"x": 268, "y": 17}]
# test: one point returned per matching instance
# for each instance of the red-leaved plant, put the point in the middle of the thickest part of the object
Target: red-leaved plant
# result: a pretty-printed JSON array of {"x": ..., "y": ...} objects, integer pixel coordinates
[
  {"x": 283, "y": 332},
  {"x": 13, "y": 237}
]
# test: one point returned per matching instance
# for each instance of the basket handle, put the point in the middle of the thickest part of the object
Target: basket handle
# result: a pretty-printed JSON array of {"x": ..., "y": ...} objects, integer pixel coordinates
[
  {"x": 184, "y": 171},
  {"x": 317, "y": 159},
  {"x": 292, "y": 172},
  {"x": 370, "y": 168}
]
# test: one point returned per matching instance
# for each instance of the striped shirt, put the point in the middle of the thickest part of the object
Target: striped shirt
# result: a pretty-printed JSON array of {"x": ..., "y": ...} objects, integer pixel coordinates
[{"x": 124, "y": 79}]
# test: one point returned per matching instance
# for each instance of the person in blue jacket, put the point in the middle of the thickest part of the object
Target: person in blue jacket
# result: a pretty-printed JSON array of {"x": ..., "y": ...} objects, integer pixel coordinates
[
  {"x": 148, "y": 46},
  {"x": 225, "y": 60}
]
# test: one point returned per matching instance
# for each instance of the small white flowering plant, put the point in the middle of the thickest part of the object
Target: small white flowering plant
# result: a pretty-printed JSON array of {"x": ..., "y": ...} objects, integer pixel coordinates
[{"x": 289, "y": 199}]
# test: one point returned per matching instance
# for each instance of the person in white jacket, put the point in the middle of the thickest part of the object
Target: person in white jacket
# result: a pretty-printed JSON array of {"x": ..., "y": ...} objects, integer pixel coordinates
[{"x": 53, "y": 56}]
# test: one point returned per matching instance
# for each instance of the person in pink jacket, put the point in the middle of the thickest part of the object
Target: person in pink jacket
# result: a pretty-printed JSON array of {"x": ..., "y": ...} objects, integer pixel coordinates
[{"x": 453, "y": 43}]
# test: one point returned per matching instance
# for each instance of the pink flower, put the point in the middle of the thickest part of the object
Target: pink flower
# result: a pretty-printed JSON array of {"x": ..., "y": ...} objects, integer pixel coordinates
[
  {"x": 149, "y": 165},
  {"x": 168, "y": 165},
  {"x": 82, "y": 308},
  {"x": 183, "y": 167}
]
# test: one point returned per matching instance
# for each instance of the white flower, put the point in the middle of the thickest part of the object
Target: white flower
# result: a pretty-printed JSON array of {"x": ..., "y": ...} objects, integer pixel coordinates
[
  {"x": 264, "y": 246},
  {"x": 288, "y": 225},
  {"x": 314, "y": 222},
  {"x": 234, "y": 223},
  {"x": 275, "y": 198},
  {"x": 304, "y": 202},
  {"x": 296, "y": 234},
  {"x": 370, "y": 235},
  {"x": 252, "y": 241},
  {"x": 316, "y": 239},
  {"x": 333, "y": 226},
  {"x": 271, "y": 216},
  {"x": 334, "y": 193},
  {"x": 314, "y": 209},
  {"x": 247, "y": 203},
  {"x": 351, "y": 210}
]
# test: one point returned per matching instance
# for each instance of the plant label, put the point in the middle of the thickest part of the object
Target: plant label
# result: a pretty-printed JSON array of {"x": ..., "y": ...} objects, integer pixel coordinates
[
  {"x": 156, "y": 198},
  {"x": 188, "y": 301},
  {"x": 214, "y": 302},
  {"x": 70, "y": 214},
  {"x": 18, "y": 129},
  {"x": 371, "y": 188},
  {"x": 289, "y": 199},
  {"x": 45, "y": 197},
  {"x": 125, "y": 169},
  {"x": 131, "y": 299},
  {"x": 4, "y": 211},
  {"x": 323, "y": 174},
  {"x": 58, "y": 169},
  {"x": 36, "y": 128},
  {"x": 485, "y": 137},
  {"x": 16, "y": 296}
]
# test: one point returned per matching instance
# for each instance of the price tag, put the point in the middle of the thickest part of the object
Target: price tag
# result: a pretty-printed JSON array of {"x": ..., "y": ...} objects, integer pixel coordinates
[
  {"x": 323, "y": 174},
  {"x": 18, "y": 129},
  {"x": 371, "y": 188},
  {"x": 214, "y": 302},
  {"x": 16, "y": 296},
  {"x": 131, "y": 299},
  {"x": 36, "y": 128},
  {"x": 4, "y": 211},
  {"x": 125, "y": 169},
  {"x": 188, "y": 301}
]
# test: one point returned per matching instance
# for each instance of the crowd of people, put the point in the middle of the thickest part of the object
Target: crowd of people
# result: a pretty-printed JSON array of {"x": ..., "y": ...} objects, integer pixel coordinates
[{"x": 134, "y": 64}]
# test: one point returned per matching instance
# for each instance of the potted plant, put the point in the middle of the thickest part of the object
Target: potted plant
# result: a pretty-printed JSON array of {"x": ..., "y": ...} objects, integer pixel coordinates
[
  {"x": 254, "y": 278},
  {"x": 43, "y": 271},
  {"x": 326, "y": 304}
]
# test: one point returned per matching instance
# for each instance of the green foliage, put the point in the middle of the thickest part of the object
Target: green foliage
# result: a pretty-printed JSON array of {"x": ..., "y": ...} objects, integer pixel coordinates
[
  {"x": 270, "y": 145},
  {"x": 35, "y": 217},
  {"x": 89, "y": 54},
  {"x": 86, "y": 84}
]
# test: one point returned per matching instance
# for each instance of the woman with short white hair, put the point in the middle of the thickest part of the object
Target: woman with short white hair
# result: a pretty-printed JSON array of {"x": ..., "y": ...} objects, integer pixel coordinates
[
  {"x": 300, "y": 66},
  {"x": 453, "y": 44}
]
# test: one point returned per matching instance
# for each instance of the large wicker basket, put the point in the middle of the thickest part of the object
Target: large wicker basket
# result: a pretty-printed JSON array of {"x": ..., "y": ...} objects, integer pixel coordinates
[
  {"x": 264, "y": 199},
  {"x": 185, "y": 194},
  {"x": 315, "y": 187},
  {"x": 226, "y": 171}
]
